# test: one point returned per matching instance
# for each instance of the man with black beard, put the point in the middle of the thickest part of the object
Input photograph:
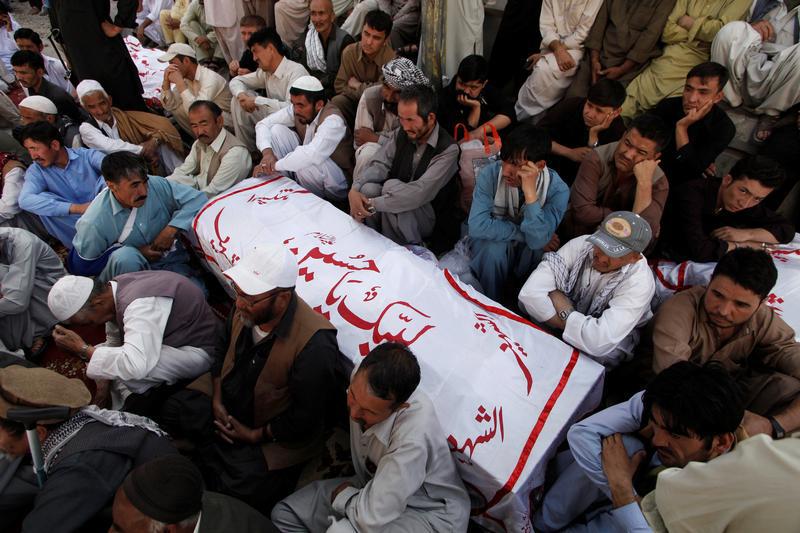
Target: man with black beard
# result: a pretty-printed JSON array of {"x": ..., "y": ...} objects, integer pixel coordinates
[
  {"x": 376, "y": 115},
  {"x": 261, "y": 412}
]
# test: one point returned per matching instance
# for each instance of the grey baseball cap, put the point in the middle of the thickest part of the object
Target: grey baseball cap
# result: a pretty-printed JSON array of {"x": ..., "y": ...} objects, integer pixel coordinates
[{"x": 622, "y": 232}]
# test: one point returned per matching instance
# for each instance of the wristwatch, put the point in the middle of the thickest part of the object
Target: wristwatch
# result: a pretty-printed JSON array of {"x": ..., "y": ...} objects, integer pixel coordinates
[
  {"x": 777, "y": 430},
  {"x": 564, "y": 314}
]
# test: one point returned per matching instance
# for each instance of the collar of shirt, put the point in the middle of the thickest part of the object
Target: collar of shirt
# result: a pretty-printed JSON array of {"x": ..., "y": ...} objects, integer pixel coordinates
[
  {"x": 217, "y": 143},
  {"x": 282, "y": 70},
  {"x": 383, "y": 430},
  {"x": 72, "y": 155},
  {"x": 433, "y": 138},
  {"x": 363, "y": 57},
  {"x": 197, "y": 525}
]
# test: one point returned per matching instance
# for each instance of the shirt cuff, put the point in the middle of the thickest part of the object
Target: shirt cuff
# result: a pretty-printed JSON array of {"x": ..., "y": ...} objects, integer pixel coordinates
[
  {"x": 262, "y": 100},
  {"x": 95, "y": 366},
  {"x": 379, "y": 203},
  {"x": 572, "y": 327},
  {"x": 340, "y": 502},
  {"x": 630, "y": 518}
]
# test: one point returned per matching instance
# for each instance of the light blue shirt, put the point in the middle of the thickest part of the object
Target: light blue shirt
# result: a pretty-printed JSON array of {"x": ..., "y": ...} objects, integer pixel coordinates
[
  {"x": 538, "y": 223},
  {"x": 168, "y": 203},
  {"x": 50, "y": 191}
]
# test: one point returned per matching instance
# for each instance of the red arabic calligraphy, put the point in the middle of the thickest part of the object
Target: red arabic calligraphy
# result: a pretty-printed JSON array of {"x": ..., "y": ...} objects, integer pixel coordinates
[
  {"x": 783, "y": 255},
  {"x": 398, "y": 322},
  {"x": 281, "y": 195},
  {"x": 506, "y": 345},
  {"x": 218, "y": 244},
  {"x": 353, "y": 262},
  {"x": 482, "y": 417}
]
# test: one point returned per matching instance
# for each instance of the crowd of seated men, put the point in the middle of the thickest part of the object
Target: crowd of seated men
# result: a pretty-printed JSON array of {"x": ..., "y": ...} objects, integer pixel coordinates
[{"x": 561, "y": 182}]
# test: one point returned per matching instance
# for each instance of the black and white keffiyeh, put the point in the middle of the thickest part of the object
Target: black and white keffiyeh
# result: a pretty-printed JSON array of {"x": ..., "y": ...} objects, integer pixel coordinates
[
  {"x": 56, "y": 440},
  {"x": 402, "y": 73},
  {"x": 567, "y": 281}
]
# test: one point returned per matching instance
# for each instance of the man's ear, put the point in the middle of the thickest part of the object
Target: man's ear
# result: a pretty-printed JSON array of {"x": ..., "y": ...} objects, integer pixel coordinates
[
  {"x": 727, "y": 179},
  {"x": 722, "y": 443},
  {"x": 718, "y": 97},
  {"x": 319, "y": 105},
  {"x": 540, "y": 164},
  {"x": 616, "y": 112},
  {"x": 41, "y": 432}
]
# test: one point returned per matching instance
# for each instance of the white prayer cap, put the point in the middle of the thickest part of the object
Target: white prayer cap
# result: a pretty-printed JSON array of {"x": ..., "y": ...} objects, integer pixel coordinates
[
  {"x": 40, "y": 104},
  {"x": 265, "y": 267},
  {"x": 308, "y": 83},
  {"x": 89, "y": 86},
  {"x": 68, "y": 295},
  {"x": 176, "y": 49}
]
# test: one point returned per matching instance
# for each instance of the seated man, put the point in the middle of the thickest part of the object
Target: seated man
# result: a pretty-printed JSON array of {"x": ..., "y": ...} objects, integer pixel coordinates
[
  {"x": 624, "y": 38},
  {"x": 261, "y": 413},
  {"x": 28, "y": 268},
  {"x": 88, "y": 454},
  {"x": 517, "y": 205},
  {"x": 687, "y": 37},
  {"x": 577, "y": 125},
  {"x": 564, "y": 25},
  {"x": 709, "y": 217},
  {"x": 133, "y": 224},
  {"x": 470, "y": 101},
  {"x": 308, "y": 139},
  {"x": 29, "y": 70},
  {"x": 148, "y": 18},
  {"x": 110, "y": 130},
  {"x": 406, "y": 479},
  {"x": 405, "y": 19},
  {"x": 170, "y": 21},
  {"x": 686, "y": 414},
  {"x": 623, "y": 175},
  {"x": 248, "y": 25},
  {"x": 596, "y": 289},
  {"x": 38, "y": 108},
  {"x": 168, "y": 492},
  {"x": 320, "y": 48},
  {"x": 700, "y": 130},
  {"x": 730, "y": 322},
  {"x": 291, "y": 17},
  {"x": 27, "y": 39},
  {"x": 275, "y": 75},
  {"x": 763, "y": 57},
  {"x": 395, "y": 192},
  {"x": 362, "y": 63},
  {"x": 61, "y": 182},
  {"x": 376, "y": 116},
  {"x": 217, "y": 160},
  {"x": 160, "y": 332},
  {"x": 200, "y": 34},
  {"x": 699, "y": 496},
  {"x": 12, "y": 177},
  {"x": 186, "y": 82}
]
